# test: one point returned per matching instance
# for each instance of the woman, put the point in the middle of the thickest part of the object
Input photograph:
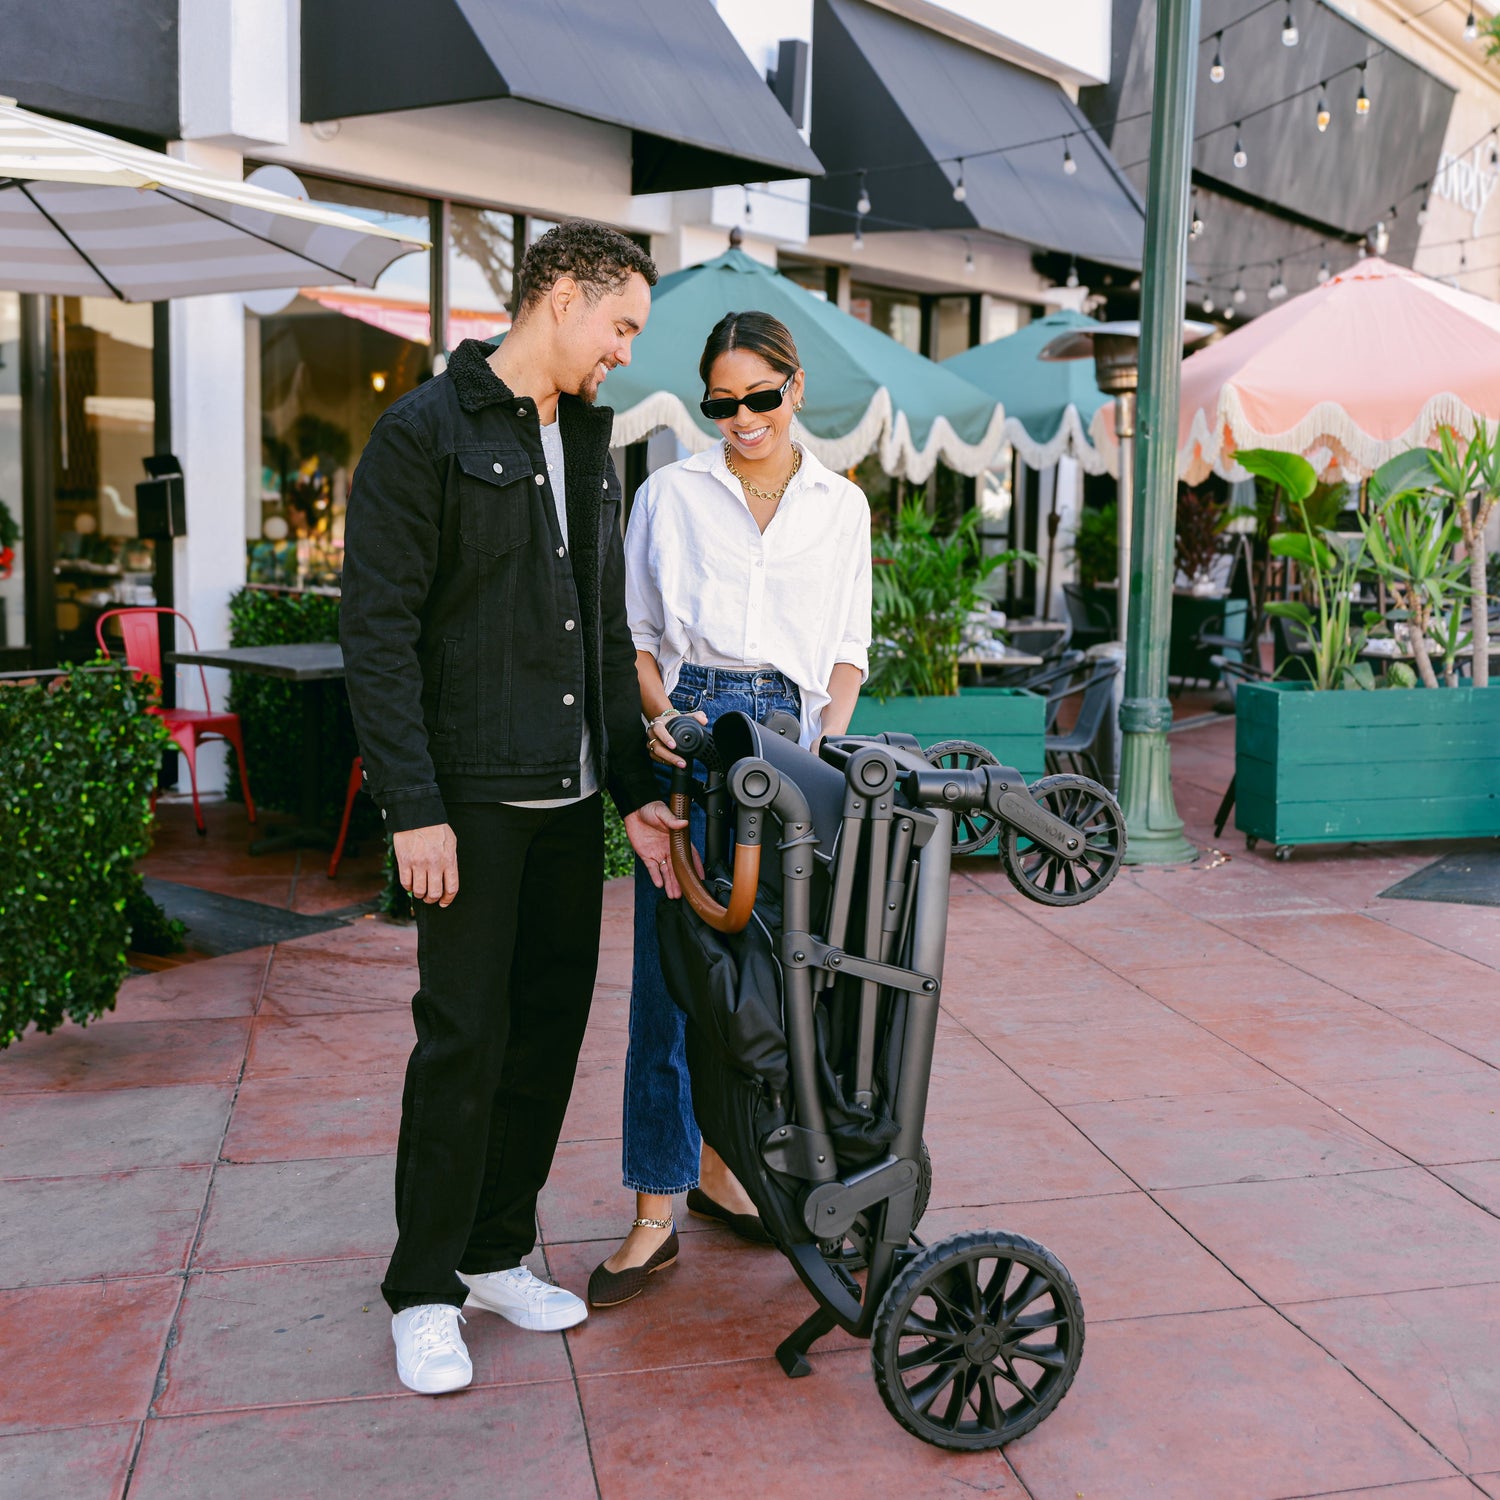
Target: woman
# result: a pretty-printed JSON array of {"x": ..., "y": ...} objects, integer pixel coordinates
[{"x": 748, "y": 587}]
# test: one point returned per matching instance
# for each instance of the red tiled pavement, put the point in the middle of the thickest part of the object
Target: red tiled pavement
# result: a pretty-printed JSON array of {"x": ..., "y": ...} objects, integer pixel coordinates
[{"x": 1252, "y": 1106}]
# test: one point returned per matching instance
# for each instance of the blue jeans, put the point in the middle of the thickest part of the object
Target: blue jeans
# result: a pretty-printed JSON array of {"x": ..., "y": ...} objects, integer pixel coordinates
[{"x": 661, "y": 1140}]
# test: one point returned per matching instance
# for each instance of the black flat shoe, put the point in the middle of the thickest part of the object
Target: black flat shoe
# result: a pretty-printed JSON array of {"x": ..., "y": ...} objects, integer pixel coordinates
[
  {"x": 610, "y": 1288},
  {"x": 747, "y": 1226}
]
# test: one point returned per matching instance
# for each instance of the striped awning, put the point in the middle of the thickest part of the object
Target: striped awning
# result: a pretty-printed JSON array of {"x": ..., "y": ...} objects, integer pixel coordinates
[{"x": 84, "y": 214}]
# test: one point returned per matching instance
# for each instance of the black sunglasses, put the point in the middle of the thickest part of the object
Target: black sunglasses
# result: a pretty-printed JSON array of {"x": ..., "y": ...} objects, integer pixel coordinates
[{"x": 721, "y": 408}]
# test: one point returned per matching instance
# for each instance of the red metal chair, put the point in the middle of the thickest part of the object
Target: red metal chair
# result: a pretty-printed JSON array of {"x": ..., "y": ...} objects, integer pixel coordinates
[
  {"x": 356, "y": 780},
  {"x": 189, "y": 727}
]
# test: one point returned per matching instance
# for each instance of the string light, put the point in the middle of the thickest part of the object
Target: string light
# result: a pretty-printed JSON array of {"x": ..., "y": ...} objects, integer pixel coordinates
[
  {"x": 1380, "y": 238},
  {"x": 1362, "y": 99},
  {"x": 1323, "y": 273},
  {"x": 1072, "y": 280},
  {"x": 859, "y": 234},
  {"x": 1229, "y": 314},
  {"x": 1216, "y": 71},
  {"x": 1364, "y": 250},
  {"x": 968, "y": 256},
  {"x": 1423, "y": 210},
  {"x": 1208, "y": 302},
  {"x": 749, "y": 209},
  {"x": 862, "y": 204},
  {"x": 1240, "y": 158},
  {"x": 1238, "y": 294},
  {"x": 1277, "y": 290},
  {"x": 960, "y": 192},
  {"x": 1471, "y": 27},
  {"x": 1069, "y": 165},
  {"x": 1324, "y": 113},
  {"x": 1195, "y": 224},
  {"x": 1289, "y": 28}
]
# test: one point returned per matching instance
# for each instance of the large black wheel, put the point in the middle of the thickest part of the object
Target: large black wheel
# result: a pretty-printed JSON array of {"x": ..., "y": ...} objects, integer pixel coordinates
[
  {"x": 972, "y": 831},
  {"x": 851, "y": 1253},
  {"x": 1043, "y": 876},
  {"x": 977, "y": 1340}
]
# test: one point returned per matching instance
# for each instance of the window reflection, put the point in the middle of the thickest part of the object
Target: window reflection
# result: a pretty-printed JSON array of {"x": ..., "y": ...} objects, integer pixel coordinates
[{"x": 481, "y": 272}]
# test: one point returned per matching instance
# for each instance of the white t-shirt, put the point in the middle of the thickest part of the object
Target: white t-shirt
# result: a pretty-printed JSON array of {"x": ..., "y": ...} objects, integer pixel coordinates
[
  {"x": 703, "y": 584},
  {"x": 552, "y": 451}
]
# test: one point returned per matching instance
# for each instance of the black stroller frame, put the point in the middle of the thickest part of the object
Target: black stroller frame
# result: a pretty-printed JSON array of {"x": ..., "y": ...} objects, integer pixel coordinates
[{"x": 817, "y": 1096}]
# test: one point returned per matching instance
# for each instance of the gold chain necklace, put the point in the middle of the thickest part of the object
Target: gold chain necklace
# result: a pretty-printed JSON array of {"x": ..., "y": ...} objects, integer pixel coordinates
[{"x": 759, "y": 493}]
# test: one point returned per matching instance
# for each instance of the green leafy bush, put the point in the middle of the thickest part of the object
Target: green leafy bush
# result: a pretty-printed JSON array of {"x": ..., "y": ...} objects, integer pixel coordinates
[
  {"x": 270, "y": 710},
  {"x": 78, "y": 758}
]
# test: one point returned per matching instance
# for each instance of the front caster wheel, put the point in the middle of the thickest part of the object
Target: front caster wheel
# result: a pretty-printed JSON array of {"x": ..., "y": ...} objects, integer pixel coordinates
[
  {"x": 973, "y": 830},
  {"x": 1049, "y": 878},
  {"x": 1283, "y": 852},
  {"x": 977, "y": 1340}
]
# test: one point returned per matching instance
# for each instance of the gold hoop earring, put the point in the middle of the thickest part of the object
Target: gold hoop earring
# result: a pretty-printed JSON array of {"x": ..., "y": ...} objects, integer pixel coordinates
[{"x": 796, "y": 408}]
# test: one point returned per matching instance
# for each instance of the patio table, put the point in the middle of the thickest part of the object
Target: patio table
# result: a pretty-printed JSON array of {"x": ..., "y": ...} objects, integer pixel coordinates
[{"x": 311, "y": 665}]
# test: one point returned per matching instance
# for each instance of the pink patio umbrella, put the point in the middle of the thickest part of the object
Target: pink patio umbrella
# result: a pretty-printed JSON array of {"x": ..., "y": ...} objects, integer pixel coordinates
[{"x": 1349, "y": 374}]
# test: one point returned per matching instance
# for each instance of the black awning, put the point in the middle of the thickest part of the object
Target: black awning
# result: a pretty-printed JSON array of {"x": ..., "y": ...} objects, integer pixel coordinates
[
  {"x": 669, "y": 71},
  {"x": 901, "y": 102}
]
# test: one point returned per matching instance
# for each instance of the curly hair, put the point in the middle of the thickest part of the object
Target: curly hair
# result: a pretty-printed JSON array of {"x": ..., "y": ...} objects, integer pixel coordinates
[{"x": 598, "y": 258}]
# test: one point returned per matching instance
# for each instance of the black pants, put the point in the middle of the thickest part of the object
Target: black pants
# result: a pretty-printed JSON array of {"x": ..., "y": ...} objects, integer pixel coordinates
[{"x": 507, "y": 974}]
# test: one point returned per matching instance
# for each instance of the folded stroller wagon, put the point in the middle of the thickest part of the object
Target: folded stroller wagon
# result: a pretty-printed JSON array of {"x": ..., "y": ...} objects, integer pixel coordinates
[{"x": 811, "y": 981}]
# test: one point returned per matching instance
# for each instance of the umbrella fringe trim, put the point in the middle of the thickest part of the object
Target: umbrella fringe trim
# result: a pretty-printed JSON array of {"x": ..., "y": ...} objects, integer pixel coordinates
[
  {"x": 878, "y": 430},
  {"x": 1069, "y": 441}
]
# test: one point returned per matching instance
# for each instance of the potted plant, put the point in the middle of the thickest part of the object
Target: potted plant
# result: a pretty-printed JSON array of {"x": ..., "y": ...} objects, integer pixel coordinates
[
  {"x": 1335, "y": 752},
  {"x": 925, "y": 586}
]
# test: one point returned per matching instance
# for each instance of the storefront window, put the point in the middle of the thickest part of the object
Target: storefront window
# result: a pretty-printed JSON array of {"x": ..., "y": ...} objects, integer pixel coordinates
[
  {"x": 104, "y": 425},
  {"x": 950, "y": 331},
  {"x": 481, "y": 272},
  {"x": 331, "y": 360},
  {"x": 12, "y": 549},
  {"x": 897, "y": 313}
]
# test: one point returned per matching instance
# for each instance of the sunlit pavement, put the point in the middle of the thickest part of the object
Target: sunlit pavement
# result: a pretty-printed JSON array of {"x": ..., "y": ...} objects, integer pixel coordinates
[{"x": 1253, "y": 1107}]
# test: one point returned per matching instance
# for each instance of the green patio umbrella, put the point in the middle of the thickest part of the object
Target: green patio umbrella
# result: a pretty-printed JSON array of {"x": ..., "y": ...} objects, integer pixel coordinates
[
  {"x": 865, "y": 392},
  {"x": 1049, "y": 405}
]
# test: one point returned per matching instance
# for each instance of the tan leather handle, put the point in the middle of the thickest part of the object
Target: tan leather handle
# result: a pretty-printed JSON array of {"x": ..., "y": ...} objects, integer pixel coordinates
[{"x": 735, "y": 916}]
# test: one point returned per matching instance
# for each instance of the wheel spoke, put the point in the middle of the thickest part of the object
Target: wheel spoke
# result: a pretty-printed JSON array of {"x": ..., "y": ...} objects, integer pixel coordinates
[
  {"x": 934, "y": 1352},
  {"x": 1049, "y": 1356},
  {"x": 994, "y": 1293},
  {"x": 925, "y": 1392},
  {"x": 1027, "y": 1293},
  {"x": 1039, "y": 1322},
  {"x": 971, "y": 1286},
  {"x": 958, "y": 1402},
  {"x": 1006, "y": 1371},
  {"x": 914, "y": 1325},
  {"x": 991, "y": 1412}
]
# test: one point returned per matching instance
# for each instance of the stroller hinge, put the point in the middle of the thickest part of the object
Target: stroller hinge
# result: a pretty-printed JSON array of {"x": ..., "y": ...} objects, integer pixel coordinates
[
  {"x": 800, "y": 950},
  {"x": 831, "y": 1208},
  {"x": 799, "y": 1152}
]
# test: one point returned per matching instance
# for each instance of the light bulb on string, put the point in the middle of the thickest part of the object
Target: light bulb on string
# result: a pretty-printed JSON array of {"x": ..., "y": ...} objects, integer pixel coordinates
[
  {"x": 1471, "y": 27},
  {"x": 1289, "y": 28},
  {"x": 1238, "y": 295},
  {"x": 1380, "y": 238},
  {"x": 1229, "y": 314},
  {"x": 1423, "y": 210},
  {"x": 1324, "y": 113},
  {"x": 1069, "y": 165},
  {"x": 1323, "y": 273},
  {"x": 1363, "y": 250},
  {"x": 1072, "y": 280},
  {"x": 1208, "y": 302},
  {"x": 749, "y": 208},
  {"x": 862, "y": 203},
  {"x": 1240, "y": 158},
  {"x": 1216, "y": 70},
  {"x": 1277, "y": 290},
  {"x": 968, "y": 258},
  {"x": 960, "y": 192},
  {"x": 1195, "y": 221},
  {"x": 1362, "y": 99}
]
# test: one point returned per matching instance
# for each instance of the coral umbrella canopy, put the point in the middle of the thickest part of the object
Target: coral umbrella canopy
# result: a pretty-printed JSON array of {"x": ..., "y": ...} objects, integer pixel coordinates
[
  {"x": 865, "y": 392},
  {"x": 1350, "y": 374}
]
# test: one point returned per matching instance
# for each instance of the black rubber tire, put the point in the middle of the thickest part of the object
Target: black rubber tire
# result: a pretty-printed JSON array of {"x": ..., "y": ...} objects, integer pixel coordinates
[
  {"x": 1251, "y": 842},
  {"x": 1088, "y": 807},
  {"x": 849, "y": 1256},
  {"x": 972, "y": 831},
  {"x": 981, "y": 1355}
]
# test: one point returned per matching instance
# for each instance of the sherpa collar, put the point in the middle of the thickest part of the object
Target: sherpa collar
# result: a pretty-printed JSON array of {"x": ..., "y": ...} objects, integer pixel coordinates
[{"x": 477, "y": 385}]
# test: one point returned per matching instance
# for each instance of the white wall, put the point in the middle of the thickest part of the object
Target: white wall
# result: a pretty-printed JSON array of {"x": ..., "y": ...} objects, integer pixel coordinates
[{"x": 232, "y": 54}]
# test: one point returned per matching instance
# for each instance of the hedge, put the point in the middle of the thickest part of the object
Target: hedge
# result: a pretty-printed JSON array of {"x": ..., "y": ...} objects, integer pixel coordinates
[{"x": 78, "y": 759}]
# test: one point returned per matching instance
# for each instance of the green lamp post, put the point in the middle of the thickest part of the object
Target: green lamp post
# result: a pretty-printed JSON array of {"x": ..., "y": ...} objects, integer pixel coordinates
[{"x": 1155, "y": 830}]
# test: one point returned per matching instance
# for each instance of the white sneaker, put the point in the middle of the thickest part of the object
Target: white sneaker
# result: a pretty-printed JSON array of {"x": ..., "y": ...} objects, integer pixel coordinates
[
  {"x": 527, "y": 1302},
  {"x": 430, "y": 1353}
]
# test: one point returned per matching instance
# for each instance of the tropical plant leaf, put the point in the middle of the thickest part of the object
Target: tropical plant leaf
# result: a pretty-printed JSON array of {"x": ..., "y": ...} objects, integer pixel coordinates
[
  {"x": 1291, "y": 471},
  {"x": 1415, "y": 470},
  {"x": 1292, "y": 609}
]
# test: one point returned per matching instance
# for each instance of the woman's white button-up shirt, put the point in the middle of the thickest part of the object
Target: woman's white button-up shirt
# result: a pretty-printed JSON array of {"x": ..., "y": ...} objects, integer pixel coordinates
[{"x": 705, "y": 585}]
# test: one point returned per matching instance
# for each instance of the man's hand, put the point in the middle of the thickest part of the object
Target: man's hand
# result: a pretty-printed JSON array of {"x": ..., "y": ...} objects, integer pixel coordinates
[
  {"x": 648, "y": 830},
  {"x": 427, "y": 860}
]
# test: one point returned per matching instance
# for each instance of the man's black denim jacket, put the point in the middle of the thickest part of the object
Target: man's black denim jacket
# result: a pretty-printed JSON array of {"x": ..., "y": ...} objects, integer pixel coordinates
[{"x": 474, "y": 641}]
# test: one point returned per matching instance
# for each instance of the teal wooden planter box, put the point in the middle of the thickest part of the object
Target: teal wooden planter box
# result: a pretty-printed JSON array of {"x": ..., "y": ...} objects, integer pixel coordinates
[
  {"x": 1009, "y": 722},
  {"x": 1413, "y": 763}
]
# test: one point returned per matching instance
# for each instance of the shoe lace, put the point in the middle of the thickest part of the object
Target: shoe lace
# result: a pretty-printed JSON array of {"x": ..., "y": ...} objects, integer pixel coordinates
[
  {"x": 434, "y": 1331},
  {"x": 527, "y": 1285}
]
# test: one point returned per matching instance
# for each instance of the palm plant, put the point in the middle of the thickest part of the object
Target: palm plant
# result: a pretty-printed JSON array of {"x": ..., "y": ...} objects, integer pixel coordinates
[
  {"x": 1469, "y": 482},
  {"x": 924, "y": 588}
]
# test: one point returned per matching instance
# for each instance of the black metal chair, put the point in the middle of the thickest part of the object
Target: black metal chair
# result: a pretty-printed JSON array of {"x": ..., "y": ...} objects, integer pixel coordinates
[
  {"x": 1093, "y": 622},
  {"x": 1075, "y": 749}
]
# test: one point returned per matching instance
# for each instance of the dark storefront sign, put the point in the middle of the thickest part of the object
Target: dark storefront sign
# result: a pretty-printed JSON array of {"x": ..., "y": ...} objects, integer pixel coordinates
[
  {"x": 1299, "y": 185},
  {"x": 670, "y": 71},
  {"x": 900, "y": 102}
]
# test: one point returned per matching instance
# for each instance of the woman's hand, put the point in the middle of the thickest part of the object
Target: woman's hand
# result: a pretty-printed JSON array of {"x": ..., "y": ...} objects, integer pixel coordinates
[
  {"x": 661, "y": 744},
  {"x": 649, "y": 830}
]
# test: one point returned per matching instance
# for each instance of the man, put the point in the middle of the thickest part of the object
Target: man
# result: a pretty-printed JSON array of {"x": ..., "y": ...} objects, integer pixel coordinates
[{"x": 492, "y": 677}]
